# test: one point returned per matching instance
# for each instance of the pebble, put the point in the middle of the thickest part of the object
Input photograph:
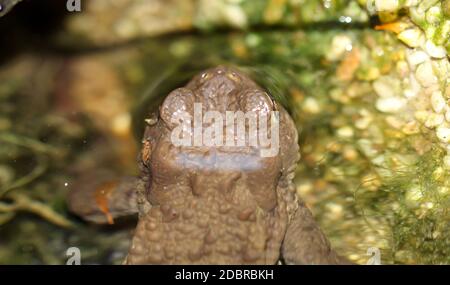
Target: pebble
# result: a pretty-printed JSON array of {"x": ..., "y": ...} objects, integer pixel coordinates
[
  {"x": 383, "y": 87},
  {"x": 425, "y": 74},
  {"x": 363, "y": 123},
  {"x": 412, "y": 88},
  {"x": 438, "y": 102},
  {"x": 428, "y": 205},
  {"x": 411, "y": 128},
  {"x": 336, "y": 210},
  {"x": 434, "y": 120},
  {"x": 386, "y": 5},
  {"x": 345, "y": 132},
  {"x": 236, "y": 16},
  {"x": 433, "y": 15},
  {"x": 412, "y": 37},
  {"x": 443, "y": 133},
  {"x": 340, "y": 45},
  {"x": 311, "y": 106},
  {"x": 390, "y": 104},
  {"x": 435, "y": 51},
  {"x": 416, "y": 57}
]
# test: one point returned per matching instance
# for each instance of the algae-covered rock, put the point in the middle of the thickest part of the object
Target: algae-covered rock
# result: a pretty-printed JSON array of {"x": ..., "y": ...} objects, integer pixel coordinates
[
  {"x": 105, "y": 22},
  {"x": 428, "y": 17}
]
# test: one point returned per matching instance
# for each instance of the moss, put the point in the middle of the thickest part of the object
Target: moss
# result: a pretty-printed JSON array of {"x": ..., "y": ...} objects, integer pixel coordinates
[{"x": 419, "y": 223}]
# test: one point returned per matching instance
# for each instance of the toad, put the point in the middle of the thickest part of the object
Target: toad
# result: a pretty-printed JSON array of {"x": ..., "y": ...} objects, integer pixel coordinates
[{"x": 204, "y": 201}]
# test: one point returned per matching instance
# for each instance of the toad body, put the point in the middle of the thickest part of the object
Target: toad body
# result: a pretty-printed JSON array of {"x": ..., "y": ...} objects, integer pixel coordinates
[{"x": 204, "y": 201}]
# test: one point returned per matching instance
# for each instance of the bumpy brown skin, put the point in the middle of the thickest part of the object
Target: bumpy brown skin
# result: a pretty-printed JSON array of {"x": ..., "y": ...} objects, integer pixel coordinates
[{"x": 216, "y": 205}]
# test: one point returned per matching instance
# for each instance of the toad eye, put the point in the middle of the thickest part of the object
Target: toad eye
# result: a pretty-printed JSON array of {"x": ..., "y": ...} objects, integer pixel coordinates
[
  {"x": 205, "y": 76},
  {"x": 152, "y": 119},
  {"x": 233, "y": 76}
]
